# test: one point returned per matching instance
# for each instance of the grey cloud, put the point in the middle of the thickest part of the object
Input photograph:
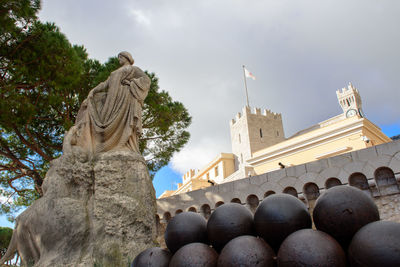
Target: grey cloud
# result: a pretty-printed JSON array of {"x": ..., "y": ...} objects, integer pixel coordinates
[{"x": 300, "y": 51}]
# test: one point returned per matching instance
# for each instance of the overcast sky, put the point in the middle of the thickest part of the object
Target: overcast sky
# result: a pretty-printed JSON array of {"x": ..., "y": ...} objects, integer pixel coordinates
[{"x": 300, "y": 51}]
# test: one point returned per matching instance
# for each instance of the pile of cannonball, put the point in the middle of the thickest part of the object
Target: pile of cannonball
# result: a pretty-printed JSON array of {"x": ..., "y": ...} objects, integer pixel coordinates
[{"x": 348, "y": 233}]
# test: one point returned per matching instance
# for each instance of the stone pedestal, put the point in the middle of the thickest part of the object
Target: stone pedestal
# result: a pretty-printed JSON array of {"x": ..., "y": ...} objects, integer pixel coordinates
[
  {"x": 93, "y": 213},
  {"x": 124, "y": 208}
]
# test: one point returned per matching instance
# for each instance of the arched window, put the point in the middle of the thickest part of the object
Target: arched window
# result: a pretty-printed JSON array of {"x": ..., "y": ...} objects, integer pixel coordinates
[
  {"x": 331, "y": 182},
  {"x": 359, "y": 180},
  {"x": 205, "y": 211},
  {"x": 386, "y": 181},
  {"x": 291, "y": 191},
  {"x": 236, "y": 200},
  {"x": 261, "y": 133},
  {"x": 167, "y": 217},
  {"x": 192, "y": 209},
  {"x": 311, "y": 191},
  {"x": 219, "y": 203},
  {"x": 252, "y": 202},
  {"x": 268, "y": 193},
  {"x": 178, "y": 211}
]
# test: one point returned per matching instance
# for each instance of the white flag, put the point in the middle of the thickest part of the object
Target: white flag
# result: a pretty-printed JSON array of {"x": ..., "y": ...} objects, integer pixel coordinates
[{"x": 249, "y": 74}]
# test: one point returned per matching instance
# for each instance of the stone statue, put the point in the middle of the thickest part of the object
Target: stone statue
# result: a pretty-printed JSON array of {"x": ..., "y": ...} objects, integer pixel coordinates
[
  {"x": 98, "y": 205},
  {"x": 110, "y": 117}
]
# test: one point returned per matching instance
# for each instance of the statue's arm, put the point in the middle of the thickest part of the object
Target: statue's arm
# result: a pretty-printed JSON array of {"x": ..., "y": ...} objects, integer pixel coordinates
[{"x": 99, "y": 88}]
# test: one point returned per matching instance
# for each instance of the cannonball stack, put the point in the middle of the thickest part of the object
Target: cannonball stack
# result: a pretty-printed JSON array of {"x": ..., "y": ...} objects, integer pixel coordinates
[{"x": 348, "y": 233}]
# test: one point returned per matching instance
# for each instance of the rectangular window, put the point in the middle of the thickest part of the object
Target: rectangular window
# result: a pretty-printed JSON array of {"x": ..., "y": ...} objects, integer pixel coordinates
[{"x": 216, "y": 171}]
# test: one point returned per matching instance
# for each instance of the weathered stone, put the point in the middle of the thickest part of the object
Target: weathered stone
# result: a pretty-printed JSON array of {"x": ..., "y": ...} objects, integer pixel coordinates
[
  {"x": 123, "y": 207},
  {"x": 366, "y": 154},
  {"x": 96, "y": 212},
  {"x": 296, "y": 171},
  {"x": 317, "y": 166},
  {"x": 259, "y": 179},
  {"x": 339, "y": 161}
]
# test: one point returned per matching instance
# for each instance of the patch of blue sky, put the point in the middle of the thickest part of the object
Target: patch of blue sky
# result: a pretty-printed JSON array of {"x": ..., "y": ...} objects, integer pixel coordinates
[
  {"x": 391, "y": 129},
  {"x": 166, "y": 179}
]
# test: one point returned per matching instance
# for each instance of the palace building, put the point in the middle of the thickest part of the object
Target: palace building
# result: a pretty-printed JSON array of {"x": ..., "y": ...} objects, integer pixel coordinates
[{"x": 259, "y": 145}]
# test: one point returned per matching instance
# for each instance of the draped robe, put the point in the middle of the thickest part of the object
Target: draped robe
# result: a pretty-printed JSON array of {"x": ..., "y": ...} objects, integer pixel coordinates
[{"x": 110, "y": 117}]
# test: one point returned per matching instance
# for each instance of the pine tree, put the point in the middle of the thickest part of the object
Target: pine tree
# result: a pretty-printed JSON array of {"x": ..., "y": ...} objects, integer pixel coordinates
[{"x": 43, "y": 80}]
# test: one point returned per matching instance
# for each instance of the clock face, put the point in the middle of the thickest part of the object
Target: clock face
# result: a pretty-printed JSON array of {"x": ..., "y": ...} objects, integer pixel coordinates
[{"x": 351, "y": 113}]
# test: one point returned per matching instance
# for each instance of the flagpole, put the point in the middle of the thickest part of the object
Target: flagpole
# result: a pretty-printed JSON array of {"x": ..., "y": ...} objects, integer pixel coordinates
[{"x": 245, "y": 85}]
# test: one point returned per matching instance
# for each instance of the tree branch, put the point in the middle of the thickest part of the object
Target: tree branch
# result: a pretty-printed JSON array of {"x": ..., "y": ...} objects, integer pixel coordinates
[{"x": 31, "y": 146}]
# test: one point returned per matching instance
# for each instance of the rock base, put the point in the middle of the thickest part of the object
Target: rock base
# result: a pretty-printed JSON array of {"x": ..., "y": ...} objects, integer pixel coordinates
[{"x": 93, "y": 213}]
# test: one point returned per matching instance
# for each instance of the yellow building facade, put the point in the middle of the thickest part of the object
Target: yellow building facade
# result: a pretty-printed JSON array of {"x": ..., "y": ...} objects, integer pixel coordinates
[
  {"x": 259, "y": 145},
  {"x": 343, "y": 135},
  {"x": 215, "y": 172}
]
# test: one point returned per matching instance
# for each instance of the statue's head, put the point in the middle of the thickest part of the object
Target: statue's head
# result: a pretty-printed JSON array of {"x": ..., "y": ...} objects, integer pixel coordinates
[{"x": 127, "y": 56}]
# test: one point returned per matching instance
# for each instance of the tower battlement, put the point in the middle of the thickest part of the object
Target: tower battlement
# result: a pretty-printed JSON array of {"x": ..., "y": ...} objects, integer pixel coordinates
[
  {"x": 350, "y": 89},
  {"x": 188, "y": 175},
  {"x": 253, "y": 130},
  {"x": 266, "y": 113},
  {"x": 350, "y": 100}
]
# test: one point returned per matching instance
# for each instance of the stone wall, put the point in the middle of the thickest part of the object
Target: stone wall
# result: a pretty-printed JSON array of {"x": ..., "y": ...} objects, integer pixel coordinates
[
  {"x": 359, "y": 168},
  {"x": 389, "y": 207},
  {"x": 375, "y": 170}
]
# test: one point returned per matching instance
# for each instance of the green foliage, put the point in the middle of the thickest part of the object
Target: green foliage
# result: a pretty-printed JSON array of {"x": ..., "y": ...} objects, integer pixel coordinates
[
  {"x": 43, "y": 80},
  {"x": 5, "y": 238},
  {"x": 164, "y": 124},
  {"x": 40, "y": 77}
]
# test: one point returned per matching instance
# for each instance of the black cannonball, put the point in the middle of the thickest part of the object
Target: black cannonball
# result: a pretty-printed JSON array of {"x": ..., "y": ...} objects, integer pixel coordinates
[
  {"x": 185, "y": 228},
  {"x": 309, "y": 247},
  {"x": 152, "y": 257},
  {"x": 227, "y": 222},
  {"x": 278, "y": 216},
  {"x": 246, "y": 251},
  {"x": 194, "y": 254},
  {"x": 376, "y": 244},
  {"x": 342, "y": 210}
]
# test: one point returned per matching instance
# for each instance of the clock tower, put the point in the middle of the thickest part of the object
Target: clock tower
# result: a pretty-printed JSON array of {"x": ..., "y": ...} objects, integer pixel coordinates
[{"x": 350, "y": 101}]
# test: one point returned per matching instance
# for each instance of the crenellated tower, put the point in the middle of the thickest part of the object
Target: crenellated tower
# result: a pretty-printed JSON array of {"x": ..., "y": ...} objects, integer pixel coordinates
[
  {"x": 350, "y": 100},
  {"x": 253, "y": 131}
]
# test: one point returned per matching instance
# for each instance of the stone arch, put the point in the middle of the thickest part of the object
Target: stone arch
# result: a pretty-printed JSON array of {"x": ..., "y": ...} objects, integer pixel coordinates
[
  {"x": 167, "y": 217},
  {"x": 219, "y": 203},
  {"x": 291, "y": 191},
  {"x": 178, "y": 211},
  {"x": 268, "y": 193},
  {"x": 360, "y": 181},
  {"x": 205, "y": 210},
  {"x": 252, "y": 202},
  {"x": 236, "y": 200},
  {"x": 311, "y": 191},
  {"x": 331, "y": 182},
  {"x": 386, "y": 181},
  {"x": 192, "y": 209}
]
